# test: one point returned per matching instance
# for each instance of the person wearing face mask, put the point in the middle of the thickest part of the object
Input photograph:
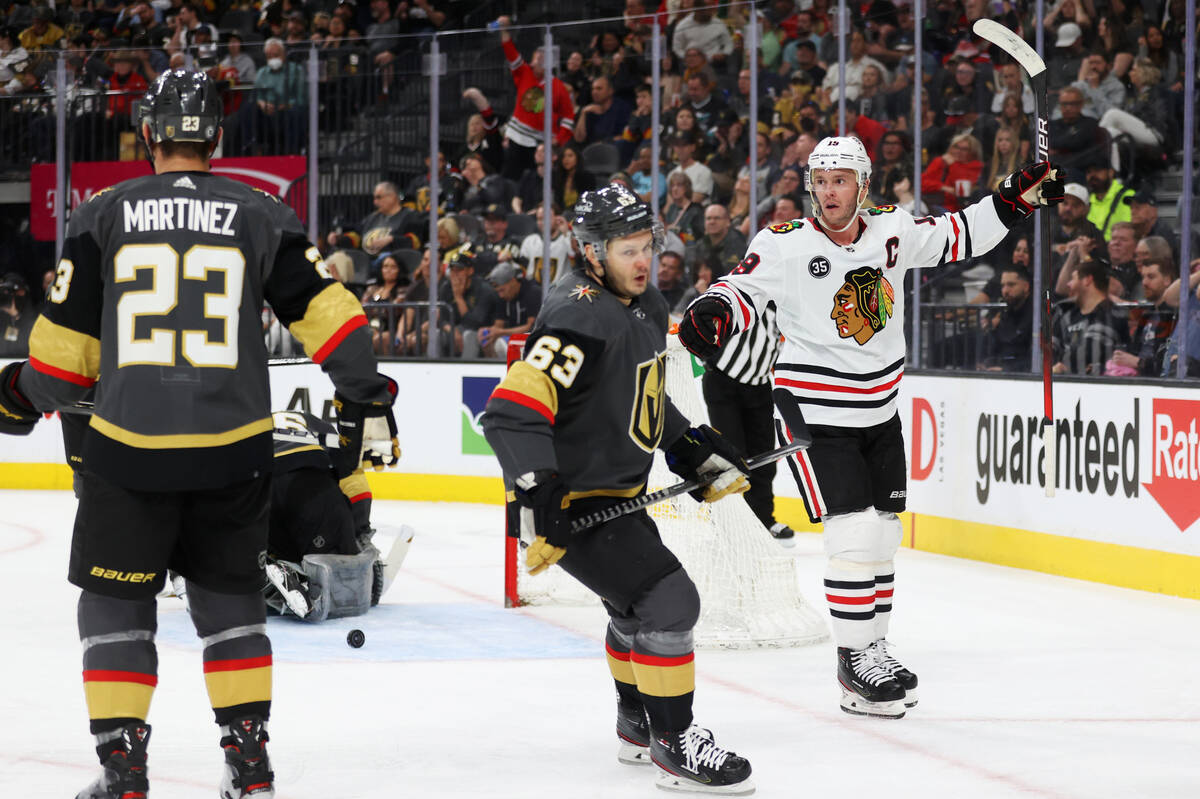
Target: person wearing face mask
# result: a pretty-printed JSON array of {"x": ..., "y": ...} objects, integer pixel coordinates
[{"x": 276, "y": 120}]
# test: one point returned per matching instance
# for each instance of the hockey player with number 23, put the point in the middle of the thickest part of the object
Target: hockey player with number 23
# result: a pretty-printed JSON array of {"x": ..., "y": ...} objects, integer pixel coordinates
[
  {"x": 838, "y": 279},
  {"x": 159, "y": 290},
  {"x": 575, "y": 425}
]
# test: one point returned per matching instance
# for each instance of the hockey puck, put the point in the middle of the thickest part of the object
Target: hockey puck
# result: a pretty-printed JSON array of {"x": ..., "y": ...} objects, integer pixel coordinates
[{"x": 356, "y": 638}]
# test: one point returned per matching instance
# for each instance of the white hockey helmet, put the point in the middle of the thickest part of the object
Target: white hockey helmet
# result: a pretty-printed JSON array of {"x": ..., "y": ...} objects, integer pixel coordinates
[{"x": 840, "y": 152}]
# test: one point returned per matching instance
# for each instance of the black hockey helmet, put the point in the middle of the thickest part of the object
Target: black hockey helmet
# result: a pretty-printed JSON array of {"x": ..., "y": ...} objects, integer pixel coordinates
[
  {"x": 182, "y": 105},
  {"x": 613, "y": 212}
]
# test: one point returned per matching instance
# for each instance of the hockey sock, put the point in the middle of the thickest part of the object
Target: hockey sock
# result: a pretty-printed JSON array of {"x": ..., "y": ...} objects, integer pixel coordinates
[
  {"x": 665, "y": 668},
  {"x": 120, "y": 662},
  {"x": 237, "y": 652},
  {"x": 617, "y": 645},
  {"x": 884, "y": 586},
  {"x": 850, "y": 594}
]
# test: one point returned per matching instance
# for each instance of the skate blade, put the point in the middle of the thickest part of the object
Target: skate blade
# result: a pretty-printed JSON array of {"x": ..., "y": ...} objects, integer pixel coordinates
[
  {"x": 786, "y": 543},
  {"x": 633, "y": 755},
  {"x": 667, "y": 781},
  {"x": 857, "y": 706}
]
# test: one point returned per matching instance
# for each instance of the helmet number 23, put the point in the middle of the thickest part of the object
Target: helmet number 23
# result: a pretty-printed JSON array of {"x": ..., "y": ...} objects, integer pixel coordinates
[
  {"x": 189, "y": 124},
  {"x": 154, "y": 344}
]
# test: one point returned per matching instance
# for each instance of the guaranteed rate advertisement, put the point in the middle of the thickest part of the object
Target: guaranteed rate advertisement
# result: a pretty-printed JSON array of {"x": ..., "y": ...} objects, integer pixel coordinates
[{"x": 1128, "y": 468}]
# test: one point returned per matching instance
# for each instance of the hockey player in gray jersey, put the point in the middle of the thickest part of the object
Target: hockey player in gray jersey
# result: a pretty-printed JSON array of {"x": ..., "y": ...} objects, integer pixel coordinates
[
  {"x": 837, "y": 280},
  {"x": 575, "y": 425},
  {"x": 160, "y": 288}
]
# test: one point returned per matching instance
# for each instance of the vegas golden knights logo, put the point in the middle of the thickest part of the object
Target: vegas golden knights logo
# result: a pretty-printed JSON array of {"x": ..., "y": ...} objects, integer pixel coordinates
[{"x": 649, "y": 403}]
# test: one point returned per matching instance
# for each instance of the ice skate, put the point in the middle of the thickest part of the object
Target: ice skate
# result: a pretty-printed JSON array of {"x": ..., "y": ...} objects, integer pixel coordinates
[
  {"x": 633, "y": 735},
  {"x": 292, "y": 586},
  {"x": 692, "y": 761},
  {"x": 898, "y": 670},
  {"x": 247, "y": 767},
  {"x": 125, "y": 775},
  {"x": 868, "y": 687},
  {"x": 784, "y": 535}
]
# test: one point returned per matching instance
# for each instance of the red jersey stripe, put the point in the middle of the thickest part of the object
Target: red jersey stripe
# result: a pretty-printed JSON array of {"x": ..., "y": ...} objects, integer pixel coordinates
[
  {"x": 337, "y": 338},
  {"x": 786, "y": 381},
  {"x": 521, "y": 399},
  {"x": 883, "y": 594},
  {"x": 954, "y": 249},
  {"x": 62, "y": 374},
  {"x": 614, "y": 654}
]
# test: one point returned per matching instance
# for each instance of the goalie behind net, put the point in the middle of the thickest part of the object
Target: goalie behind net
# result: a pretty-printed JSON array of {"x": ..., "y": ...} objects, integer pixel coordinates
[{"x": 749, "y": 593}]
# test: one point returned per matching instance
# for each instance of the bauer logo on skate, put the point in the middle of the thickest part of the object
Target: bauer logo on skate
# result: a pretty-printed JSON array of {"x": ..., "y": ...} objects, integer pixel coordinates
[{"x": 1175, "y": 479}]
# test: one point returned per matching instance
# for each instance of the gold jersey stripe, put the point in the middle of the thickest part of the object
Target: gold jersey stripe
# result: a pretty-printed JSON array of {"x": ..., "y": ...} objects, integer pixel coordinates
[
  {"x": 665, "y": 680},
  {"x": 115, "y": 700},
  {"x": 182, "y": 441},
  {"x": 300, "y": 448},
  {"x": 65, "y": 349},
  {"x": 533, "y": 383},
  {"x": 227, "y": 688},
  {"x": 326, "y": 314}
]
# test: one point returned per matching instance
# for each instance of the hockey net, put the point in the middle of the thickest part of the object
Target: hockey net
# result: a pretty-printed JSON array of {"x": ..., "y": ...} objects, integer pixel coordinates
[{"x": 749, "y": 591}]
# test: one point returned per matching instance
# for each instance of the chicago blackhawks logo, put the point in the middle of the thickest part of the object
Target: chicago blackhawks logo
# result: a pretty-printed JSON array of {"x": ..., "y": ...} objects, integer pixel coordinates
[{"x": 862, "y": 306}]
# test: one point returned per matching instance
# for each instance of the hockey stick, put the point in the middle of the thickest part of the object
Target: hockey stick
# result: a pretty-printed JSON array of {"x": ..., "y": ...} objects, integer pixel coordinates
[
  {"x": 1035, "y": 67},
  {"x": 629, "y": 506}
]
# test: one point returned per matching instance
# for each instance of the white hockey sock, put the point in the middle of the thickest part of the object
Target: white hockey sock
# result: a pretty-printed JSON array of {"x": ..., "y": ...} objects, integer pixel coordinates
[
  {"x": 883, "y": 603},
  {"x": 850, "y": 593}
]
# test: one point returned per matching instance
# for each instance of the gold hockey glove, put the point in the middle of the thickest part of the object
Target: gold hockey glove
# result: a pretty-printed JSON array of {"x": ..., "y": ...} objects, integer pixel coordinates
[
  {"x": 545, "y": 524},
  {"x": 702, "y": 453}
]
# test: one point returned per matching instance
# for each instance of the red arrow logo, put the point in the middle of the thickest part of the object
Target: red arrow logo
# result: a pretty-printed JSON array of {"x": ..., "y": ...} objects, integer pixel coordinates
[{"x": 1176, "y": 465}]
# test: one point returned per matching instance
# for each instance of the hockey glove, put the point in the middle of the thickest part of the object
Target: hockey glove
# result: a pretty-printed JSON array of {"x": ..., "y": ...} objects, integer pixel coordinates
[
  {"x": 706, "y": 325},
  {"x": 1021, "y": 192},
  {"x": 545, "y": 525},
  {"x": 17, "y": 416},
  {"x": 366, "y": 433},
  {"x": 702, "y": 453}
]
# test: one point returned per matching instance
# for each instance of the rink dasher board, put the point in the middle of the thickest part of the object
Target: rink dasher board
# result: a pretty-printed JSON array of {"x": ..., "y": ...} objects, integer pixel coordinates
[{"x": 1125, "y": 513}]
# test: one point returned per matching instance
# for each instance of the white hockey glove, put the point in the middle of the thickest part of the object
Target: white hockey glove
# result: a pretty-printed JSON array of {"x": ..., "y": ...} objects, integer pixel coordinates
[{"x": 702, "y": 453}]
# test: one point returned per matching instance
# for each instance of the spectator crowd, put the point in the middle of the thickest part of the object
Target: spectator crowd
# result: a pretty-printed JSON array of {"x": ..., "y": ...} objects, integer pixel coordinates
[{"x": 1116, "y": 90}]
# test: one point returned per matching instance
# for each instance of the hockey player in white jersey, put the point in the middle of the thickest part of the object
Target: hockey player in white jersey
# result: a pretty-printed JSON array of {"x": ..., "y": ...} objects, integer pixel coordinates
[{"x": 837, "y": 279}]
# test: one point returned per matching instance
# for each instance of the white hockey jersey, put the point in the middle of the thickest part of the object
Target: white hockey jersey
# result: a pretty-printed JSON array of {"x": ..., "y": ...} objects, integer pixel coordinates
[
  {"x": 841, "y": 308},
  {"x": 532, "y": 253}
]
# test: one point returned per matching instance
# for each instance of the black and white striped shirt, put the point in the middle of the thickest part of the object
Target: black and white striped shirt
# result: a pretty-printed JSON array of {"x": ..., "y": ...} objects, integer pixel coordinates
[{"x": 749, "y": 356}]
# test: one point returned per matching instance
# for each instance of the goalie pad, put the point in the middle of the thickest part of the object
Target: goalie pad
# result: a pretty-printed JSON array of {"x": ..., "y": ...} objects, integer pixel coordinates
[{"x": 340, "y": 585}]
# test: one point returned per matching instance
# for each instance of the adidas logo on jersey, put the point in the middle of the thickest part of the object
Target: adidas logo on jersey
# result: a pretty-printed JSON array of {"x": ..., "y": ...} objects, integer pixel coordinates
[{"x": 184, "y": 183}]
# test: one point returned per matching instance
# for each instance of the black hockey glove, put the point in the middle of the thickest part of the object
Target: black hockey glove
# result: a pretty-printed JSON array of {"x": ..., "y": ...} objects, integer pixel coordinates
[
  {"x": 545, "y": 525},
  {"x": 366, "y": 433},
  {"x": 17, "y": 416},
  {"x": 705, "y": 326},
  {"x": 702, "y": 453},
  {"x": 1021, "y": 192}
]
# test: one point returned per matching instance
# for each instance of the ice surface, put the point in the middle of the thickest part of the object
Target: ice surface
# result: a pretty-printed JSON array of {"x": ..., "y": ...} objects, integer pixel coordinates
[{"x": 1030, "y": 686}]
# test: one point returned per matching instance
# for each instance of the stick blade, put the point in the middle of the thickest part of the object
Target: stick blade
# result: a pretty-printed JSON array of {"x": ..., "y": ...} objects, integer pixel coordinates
[
  {"x": 789, "y": 411},
  {"x": 1010, "y": 43}
]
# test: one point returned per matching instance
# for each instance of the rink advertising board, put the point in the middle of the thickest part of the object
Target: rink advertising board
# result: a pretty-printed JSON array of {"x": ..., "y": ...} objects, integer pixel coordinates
[
  {"x": 1127, "y": 509},
  {"x": 272, "y": 174},
  {"x": 1127, "y": 500}
]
